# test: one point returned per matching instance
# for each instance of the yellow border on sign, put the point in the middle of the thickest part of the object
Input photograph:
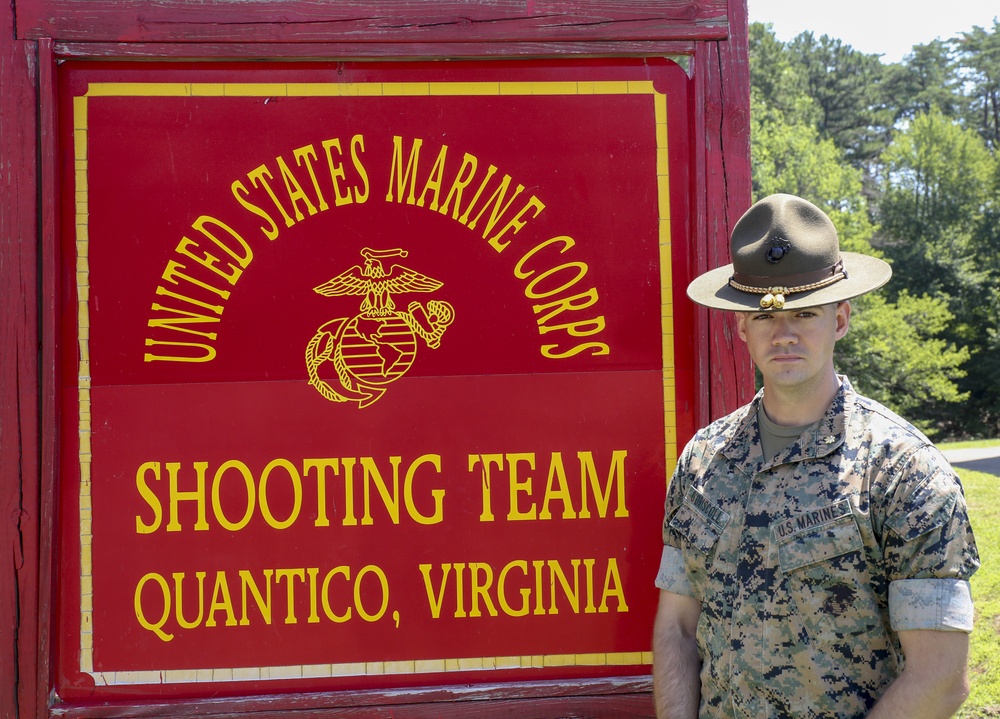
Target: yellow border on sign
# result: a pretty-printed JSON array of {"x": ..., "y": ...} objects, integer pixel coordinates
[{"x": 387, "y": 89}]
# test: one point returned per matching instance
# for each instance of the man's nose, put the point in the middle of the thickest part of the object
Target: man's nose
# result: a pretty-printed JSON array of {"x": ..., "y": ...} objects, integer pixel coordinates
[{"x": 784, "y": 333}]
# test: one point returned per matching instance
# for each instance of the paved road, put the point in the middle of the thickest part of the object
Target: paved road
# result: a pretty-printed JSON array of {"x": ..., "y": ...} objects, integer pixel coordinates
[{"x": 979, "y": 460}]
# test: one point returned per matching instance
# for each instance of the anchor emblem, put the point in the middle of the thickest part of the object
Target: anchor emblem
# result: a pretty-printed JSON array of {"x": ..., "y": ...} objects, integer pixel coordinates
[{"x": 377, "y": 346}]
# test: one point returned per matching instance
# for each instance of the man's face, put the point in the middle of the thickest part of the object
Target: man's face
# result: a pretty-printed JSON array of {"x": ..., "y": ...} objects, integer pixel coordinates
[{"x": 795, "y": 347}]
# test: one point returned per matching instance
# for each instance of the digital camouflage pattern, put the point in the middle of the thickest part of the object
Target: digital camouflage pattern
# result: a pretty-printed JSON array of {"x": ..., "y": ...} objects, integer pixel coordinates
[{"x": 792, "y": 559}]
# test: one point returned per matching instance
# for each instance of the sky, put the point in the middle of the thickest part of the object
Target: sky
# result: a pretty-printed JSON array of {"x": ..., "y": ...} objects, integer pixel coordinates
[{"x": 884, "y": 27}]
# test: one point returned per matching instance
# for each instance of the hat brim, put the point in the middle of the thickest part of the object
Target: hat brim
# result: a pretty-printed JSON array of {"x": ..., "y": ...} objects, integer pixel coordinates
[{"x": 864, "y": 274}]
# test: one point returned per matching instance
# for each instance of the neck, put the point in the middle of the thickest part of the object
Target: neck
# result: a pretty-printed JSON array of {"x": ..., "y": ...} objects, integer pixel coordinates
[{"x": 798, "y": 406}]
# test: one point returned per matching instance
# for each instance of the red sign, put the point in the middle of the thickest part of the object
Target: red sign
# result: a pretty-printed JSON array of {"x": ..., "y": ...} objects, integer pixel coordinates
[{"x": 375, "y": 382}]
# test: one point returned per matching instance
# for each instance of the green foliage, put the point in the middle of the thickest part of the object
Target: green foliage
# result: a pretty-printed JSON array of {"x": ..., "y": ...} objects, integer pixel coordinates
[
  {"x": 893, "y": 354},
  {"x": 936, "y": 177},
  {"x": 937, "y": 211},
  {"x": 936, "y": 181},
  {"x": 928, "y": 79},
  {"x": 915, "y": 179},
  {"x": 845, "y": 84},
  {"x": 790, "y": 157},
  {"x": 779, "y": 85},
  {"x": 979, "y": 50}
]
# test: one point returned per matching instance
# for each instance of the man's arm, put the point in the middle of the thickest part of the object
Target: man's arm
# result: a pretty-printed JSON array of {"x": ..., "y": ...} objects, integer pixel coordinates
[
  {"x": 676, "y": 664},
  {"x": 934, "y": 681}
]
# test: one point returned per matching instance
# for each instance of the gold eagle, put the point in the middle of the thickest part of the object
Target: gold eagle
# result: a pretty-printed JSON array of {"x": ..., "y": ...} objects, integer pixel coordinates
[{"x": 375, "y": 284}]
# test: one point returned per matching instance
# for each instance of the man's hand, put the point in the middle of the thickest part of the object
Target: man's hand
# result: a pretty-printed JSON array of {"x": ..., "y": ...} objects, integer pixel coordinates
[
  {"x": 934, "y": 682},
  {"x": 676, "y": 664}
]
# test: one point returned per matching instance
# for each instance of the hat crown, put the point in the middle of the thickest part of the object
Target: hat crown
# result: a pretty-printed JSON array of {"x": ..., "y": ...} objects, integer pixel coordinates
[
  {"x": 786, "y": 256},
  {"x": 783, "y": 236}
]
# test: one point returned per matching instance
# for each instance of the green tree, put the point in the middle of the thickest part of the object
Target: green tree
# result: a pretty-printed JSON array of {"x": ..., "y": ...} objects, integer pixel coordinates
[
  {"x": 894, "y": 353},
  {"x": 938, "y": 218},
  {"x": 791, "y": 157},
  {"x": 790, "y": 153},
  {"x": 928, "y": 78},
  {"x": 979, "y": 51},
  {"x": 845, "y": 84},
  {"x": 937, "y": 179},
  {"x": 776, "y": 80}
]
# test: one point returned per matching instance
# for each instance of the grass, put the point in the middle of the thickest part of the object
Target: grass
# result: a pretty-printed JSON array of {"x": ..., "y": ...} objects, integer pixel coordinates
[
  {"x": 982, "y": 493},
  {"x": 971, "y": 444}
]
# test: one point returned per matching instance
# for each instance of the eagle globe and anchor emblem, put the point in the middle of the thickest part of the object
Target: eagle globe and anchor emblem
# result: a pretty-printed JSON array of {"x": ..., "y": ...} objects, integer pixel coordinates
[{"x": 376, "y": 347}]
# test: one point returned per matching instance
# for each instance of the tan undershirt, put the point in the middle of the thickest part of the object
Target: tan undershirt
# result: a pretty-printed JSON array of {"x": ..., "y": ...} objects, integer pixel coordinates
[{"x": 774, "y": 437}]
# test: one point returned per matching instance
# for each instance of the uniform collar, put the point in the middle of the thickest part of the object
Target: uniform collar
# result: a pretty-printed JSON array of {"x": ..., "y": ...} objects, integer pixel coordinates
[{"x": 819, "y": 440}]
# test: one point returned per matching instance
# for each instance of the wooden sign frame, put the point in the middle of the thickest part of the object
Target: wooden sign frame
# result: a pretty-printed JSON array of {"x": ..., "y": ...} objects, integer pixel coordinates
[{"x": 36, "y": 35}]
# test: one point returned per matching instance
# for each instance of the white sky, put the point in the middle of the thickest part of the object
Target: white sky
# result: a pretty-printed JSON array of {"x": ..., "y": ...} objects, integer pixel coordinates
[{"x": 885, "y": 27}]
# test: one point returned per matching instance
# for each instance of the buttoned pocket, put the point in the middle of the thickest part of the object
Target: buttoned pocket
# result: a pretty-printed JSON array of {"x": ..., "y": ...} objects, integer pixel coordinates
[
  {"x": 816, "y": 536},
  {"x": 699, "y": 521},
  {"x": 825, "y": 574}
]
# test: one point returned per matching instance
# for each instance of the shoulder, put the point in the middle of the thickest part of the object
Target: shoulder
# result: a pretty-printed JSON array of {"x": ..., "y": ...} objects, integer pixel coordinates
[
  {"x": 722, "y": 430},
  {"x": 878, "y": 425},
  {"x": 713, "y": 438},
  {"x": 892, "y": 445}
]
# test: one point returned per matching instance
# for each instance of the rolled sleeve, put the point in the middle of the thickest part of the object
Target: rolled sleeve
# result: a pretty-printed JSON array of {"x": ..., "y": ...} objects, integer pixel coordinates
[
  {"x": 941, "y": 604},
  {"x": 672, "y": 577}
]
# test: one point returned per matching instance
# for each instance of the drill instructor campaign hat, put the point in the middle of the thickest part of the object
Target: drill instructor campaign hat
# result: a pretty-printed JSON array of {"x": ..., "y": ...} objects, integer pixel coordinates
[{"x": 786, "y": 256}]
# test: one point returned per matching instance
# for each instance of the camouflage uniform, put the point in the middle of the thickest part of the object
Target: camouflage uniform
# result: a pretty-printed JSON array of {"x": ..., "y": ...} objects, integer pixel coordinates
[{"x": 806, "y": 566}]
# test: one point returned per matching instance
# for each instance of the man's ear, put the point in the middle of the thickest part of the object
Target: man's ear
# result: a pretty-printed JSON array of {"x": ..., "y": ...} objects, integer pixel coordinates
[
  {"x": 741, "y": 325},
  {"x": 843, "y": 318}
]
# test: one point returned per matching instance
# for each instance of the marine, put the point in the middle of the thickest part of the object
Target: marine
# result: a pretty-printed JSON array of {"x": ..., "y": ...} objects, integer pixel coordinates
[{"x": 817, "y": 549}]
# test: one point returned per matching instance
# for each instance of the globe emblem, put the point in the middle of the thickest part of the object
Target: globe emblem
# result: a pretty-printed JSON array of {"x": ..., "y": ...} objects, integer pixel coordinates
[
  {"x": 378, "y": 350},
  {"x": 376, "y": 347}
]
